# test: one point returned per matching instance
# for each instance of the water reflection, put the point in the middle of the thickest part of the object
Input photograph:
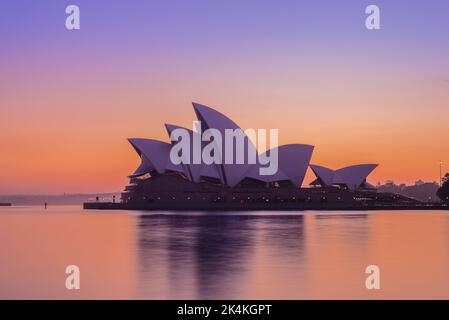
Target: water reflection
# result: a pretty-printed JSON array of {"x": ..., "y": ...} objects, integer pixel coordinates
[
  {"x": 339, "y": 251},
  {"x": 231, "y": 256},
  {"x": 350, "y": 228},
  {"x": 213, "y": 254}
]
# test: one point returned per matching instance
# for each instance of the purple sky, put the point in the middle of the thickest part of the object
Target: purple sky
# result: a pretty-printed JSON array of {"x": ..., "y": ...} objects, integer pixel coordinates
[{"x": 69, "y": 99}]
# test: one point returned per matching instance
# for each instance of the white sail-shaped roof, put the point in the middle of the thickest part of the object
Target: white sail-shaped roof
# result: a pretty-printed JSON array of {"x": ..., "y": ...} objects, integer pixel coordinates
[
  {"x": 255, "y": 173},
  {"x": 352, "y": 176},
  {"x": 155, "y": 154},
  {"x": 294, "y": 160},
  {"x": 209, "y": 170},
  {"x": 195, "y": 171},
  {"x": 231, "y": 174},
  {"x": 326, "y": 175},
  {"x": 192, "y": 170},
  {"x": 144, "y": 167}
]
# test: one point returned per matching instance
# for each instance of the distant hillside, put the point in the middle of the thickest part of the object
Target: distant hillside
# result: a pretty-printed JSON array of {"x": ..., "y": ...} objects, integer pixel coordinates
[
  {"x": 423, "y": 191},
  {"x": 65, "y": 199}
]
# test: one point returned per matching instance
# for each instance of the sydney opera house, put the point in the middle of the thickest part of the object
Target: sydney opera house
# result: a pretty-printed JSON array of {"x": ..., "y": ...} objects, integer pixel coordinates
[{"x": 158, "y": 183}]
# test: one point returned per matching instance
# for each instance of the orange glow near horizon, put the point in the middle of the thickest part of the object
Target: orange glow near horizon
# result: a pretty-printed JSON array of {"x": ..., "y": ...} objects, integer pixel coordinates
[
  {"x": 67, "y": 133},
  {"x": 86, "y": 150}
]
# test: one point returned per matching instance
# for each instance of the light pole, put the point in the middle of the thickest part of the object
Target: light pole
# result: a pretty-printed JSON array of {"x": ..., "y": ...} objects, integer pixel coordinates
[{"x": 441, "y": 178}]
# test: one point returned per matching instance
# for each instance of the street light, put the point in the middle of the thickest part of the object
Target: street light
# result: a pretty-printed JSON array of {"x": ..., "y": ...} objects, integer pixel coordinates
[{"x": 441, "y": 178}]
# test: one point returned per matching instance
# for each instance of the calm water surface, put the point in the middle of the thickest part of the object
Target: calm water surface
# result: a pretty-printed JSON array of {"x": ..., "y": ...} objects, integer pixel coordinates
[{"x": 260, "y": 255}]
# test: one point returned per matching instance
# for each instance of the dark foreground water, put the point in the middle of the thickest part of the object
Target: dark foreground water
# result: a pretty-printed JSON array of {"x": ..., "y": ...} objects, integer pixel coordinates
[{"x": 260, "y": 255}]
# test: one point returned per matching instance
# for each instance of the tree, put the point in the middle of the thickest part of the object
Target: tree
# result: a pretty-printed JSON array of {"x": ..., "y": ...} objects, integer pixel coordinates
[{"x": 443, "y": 191}]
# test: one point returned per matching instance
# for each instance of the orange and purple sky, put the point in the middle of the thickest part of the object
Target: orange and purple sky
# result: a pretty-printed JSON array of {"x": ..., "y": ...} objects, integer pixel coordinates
[{"x": 69, "y": 99}]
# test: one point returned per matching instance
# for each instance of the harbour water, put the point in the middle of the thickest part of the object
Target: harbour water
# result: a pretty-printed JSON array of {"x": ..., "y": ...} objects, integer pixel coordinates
[{"x": 229, "y": 255}]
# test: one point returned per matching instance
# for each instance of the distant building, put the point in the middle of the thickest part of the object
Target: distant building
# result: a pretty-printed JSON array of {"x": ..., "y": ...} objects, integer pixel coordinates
[
  {"x": 422, "y": 191},
  {"x": 419, "y": 182}
]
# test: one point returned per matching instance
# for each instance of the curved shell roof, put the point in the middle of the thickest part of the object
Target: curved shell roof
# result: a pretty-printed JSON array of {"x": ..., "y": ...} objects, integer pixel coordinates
[
  {"x": 254, "y": 173},
  {"x": 212, "y": 119},
  {"x": 352, "y": 176},
  {"x": 155, "y": 155},
  {"x": 326, "y": 175},
  {"x": 208, "y": 170},
  {"x": 192, "y": 170},
  {"x": 144, "y": 167},
  {"x": 293, "y": 159}
]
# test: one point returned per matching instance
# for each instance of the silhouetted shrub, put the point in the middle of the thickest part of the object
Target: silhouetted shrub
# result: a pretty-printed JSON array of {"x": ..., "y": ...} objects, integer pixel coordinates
[{"x": 443, "y": 191}]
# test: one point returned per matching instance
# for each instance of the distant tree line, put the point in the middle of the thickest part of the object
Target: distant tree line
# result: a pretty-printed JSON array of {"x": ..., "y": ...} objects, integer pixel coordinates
[{"x": 443, "y": 191}]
